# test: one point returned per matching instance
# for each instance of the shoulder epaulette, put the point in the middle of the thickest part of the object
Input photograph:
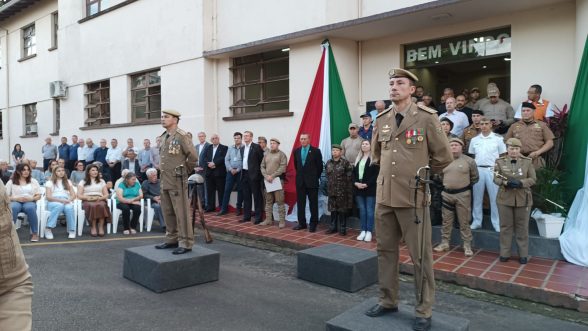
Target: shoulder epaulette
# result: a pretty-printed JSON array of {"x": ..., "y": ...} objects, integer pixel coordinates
[
  {"x": 181, "y": 132},
  {"x": 526, "y": 158},
  {"x": 384, "y": 112},
  {"x": 427, "y": 109}
]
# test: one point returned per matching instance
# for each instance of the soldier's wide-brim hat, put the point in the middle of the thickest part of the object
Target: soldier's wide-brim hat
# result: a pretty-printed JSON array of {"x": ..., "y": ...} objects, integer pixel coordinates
[
  {"x": 353, "y": 125},
  {"x": 171, "y": 112},
  {"x": 456, "y": 140},
  {"x": 514, "y": 142},
  {"x": 397, "y": 73},
  {"x": 276, "y": 140},
  {"x": 337, "y": 146}
]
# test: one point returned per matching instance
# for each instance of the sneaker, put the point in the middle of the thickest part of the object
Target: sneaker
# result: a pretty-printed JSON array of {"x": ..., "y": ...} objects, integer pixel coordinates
[
  {"x": 368, "y": 237},
  {"x": 48, "y": 234},
  {"x": 34, "y": 238},
  {"x": 361, "y": 236},
  {"x": 71, "y": 235}
]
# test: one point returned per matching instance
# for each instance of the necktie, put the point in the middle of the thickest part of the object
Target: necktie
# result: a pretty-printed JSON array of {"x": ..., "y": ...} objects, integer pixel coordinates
[{"x": 399, "y": 119}]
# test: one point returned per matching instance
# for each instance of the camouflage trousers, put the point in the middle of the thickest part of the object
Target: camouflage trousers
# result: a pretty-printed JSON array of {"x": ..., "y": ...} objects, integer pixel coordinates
[{"x": 270, "y": 199}]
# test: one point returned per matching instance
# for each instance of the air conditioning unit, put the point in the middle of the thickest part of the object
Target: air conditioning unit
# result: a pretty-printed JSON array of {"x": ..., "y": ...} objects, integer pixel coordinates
[{"x": 58, "y": 89}]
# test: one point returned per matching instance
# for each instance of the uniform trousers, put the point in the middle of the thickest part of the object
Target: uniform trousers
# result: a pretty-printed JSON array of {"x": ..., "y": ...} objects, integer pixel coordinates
[
  {"x": 517, "y": 219},
  {"x": 16, "y": 297},
  {"x": 392, "y": 225},
  {"x": 461, "y": 204},
  {"x": 174, "y": 204},
  {"x": 277, "y": 197},
  {"x": 486, "y": 182}
]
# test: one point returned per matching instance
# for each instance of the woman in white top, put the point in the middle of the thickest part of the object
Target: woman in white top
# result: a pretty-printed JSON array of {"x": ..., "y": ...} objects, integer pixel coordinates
[
  {"x": 24, "y": 192},
  {"x": 60, "y": 197},
  {"x": 94, "y": 193}
]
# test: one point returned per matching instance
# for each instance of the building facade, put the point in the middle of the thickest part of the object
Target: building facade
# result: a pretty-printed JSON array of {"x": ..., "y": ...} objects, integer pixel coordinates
[{"x": 106, "y": 68}]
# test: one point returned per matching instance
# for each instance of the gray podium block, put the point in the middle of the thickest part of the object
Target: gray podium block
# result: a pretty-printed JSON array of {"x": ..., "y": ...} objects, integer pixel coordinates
[
  {"x": 160, "y": 271},
  {"x": 345, "y": 268},
  {"x": 355, "y": 320}
]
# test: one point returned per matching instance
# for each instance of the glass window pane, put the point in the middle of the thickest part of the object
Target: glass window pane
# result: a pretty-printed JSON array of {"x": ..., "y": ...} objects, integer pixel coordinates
[
  {"x": 93, "y": 9},
  {"x": 139, "y": 111},
  {"x": 252, "y": 94},
  {"x": 252, "y": 73},
  {"x": 138, "y": 81},
  {"x": 276, "y": 106},
  {"x": 154, "y": 78},
  {"x": 276, "y": 69},
  {"x": 276, "y": 90},
  {"x": 139, "y": 96},
  {"x": 154, "y": 104}
]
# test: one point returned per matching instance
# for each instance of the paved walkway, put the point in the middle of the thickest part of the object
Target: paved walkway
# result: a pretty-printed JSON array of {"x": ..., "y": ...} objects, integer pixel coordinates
[{"x": 552, "y": 282}]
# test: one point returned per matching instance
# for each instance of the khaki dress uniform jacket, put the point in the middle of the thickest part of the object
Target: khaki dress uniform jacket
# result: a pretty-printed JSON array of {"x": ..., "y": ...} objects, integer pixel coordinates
[
  {"x": 178, "y": 158},
  {"x": 400, "y": 151},
  {"x": 514, "y": 204},
  {"x": 274, "y": 164},
  {"x": 468, "y": 134},
  {"x": 16, "y": 287},
  {"x": 533, "y": 135}
]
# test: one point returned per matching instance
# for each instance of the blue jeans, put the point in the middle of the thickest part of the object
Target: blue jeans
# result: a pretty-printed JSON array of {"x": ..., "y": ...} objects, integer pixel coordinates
[
  {"x": 30, "y": 209},
  {"x": 229, "y": 182},
  {"x": 366, "y": 206},
  {"x": 56, "y": 208},
  {"x": 157, "y": 209}
]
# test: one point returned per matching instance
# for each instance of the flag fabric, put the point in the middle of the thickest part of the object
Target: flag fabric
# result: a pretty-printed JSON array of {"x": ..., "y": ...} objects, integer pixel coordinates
[
  {"x": 325, "y": 118},
  {"x": 576, "y": 140}
]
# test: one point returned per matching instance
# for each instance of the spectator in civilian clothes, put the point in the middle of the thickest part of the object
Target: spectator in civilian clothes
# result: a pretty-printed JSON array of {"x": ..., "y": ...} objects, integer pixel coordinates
[
  {"x": 201, "y": 167},
  {"x": 145, "y": 156},
  {"x": 73, "y": 153},
  {"x": 459, "y": 119},
  {"x": 89, "y": 150},
  {"x": 36, "y": 173},
  {"x": 63, "y": 150},
  {"x": 4, "y": 172},
  {"x": 155, "y": 154},
  {"x": 366, "y": 129},
  {"x": 262, "y": 142},
  {"x": 114, "y": 158},
  {"x": 152, "y": 190},
  {"x": 447, "y": 93},
  {"x": 24, "y": 192},
  {"x": 308, "y": 162},
  {"x": 460, "y": 102},
  {"x": 131, "y": 162},
  {"x": 216, "y": 172},
  {"x": 100, "y": 153},
  {"x": 78, "y": 174},
  {"x": 17, "y": 154},
  {"x": 49, "y": 153},
  {"x": 94, "y": 193},
  {"x": 130, "y": 145},
  {"x": 128, "y": 199},
  {"x": 447, "y": 126},
  {"x": 60, "y": 198},
  {"x": 62, "y": 162},
  {"x": 474, "y": 97},
  {"x": 234, "y": 165},
  {"x": 251, "y": 178},
  {"x": 81, "y": 151},
  {"x": 49, "y": 170},
  {"x": 428, "y": 101},
  {"x": 365, "y": 175}
]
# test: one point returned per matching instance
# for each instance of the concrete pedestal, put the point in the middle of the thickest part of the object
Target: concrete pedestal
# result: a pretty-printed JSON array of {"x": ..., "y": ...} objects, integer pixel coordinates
[
  {"x": 341, "y": 267},
  {"x": 160, "y": 271},
  {"x": 355, "y": 320}
]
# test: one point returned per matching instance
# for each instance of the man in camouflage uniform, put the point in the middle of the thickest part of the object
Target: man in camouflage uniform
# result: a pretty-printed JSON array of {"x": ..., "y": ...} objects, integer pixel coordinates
[
  {"x": 273, "y": 167},
  {"x": 339, "y": 188},
  {"x": 178, "y": 157}
]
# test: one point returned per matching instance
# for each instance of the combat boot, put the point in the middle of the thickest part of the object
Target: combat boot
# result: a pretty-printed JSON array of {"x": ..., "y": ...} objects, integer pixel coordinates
[
  {"x": 268, "y": 221},
  {"x": 467, "y": 249},
  {"x": 282, "y": 224},
  {"x": 442, "y": 247},
  {"x": 333, "y": 223},
  {"x": 342, "y": 224}
]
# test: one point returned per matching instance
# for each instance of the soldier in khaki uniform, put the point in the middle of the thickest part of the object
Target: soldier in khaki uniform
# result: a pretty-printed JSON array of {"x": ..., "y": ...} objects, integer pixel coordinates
[
  {"x": 473, "y": 130},
  {"x": 408, "y": 138},
  {"x": 515, "y": 175},
  {"x": 458, "y": 178},
  {"x": 273, "y": 167},
  {"x": 535, "y": 136},
  {"x": 16, "y": 287},
  {"x": 178, "y": 157}
]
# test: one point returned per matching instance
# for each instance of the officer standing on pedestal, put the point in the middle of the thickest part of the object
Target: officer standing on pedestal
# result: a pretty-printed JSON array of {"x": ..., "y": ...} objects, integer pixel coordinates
[
  {"x": 408, "y": 139},
  {"x": 178, "y": 157}
]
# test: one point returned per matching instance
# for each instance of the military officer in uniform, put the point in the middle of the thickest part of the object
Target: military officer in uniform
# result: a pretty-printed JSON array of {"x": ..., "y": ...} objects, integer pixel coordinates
[
  {"x": 409, "y": 138},
  {"x": 458, "y": 178},
  {"x": 473, "y": 130},
  {"x": 535, "y": 135},
  {"x": 515, "y": 175},
  {"x": 178, "y": 156}
]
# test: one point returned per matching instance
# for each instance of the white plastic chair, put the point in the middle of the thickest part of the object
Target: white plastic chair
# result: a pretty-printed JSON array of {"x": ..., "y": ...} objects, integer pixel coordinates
[
  {"x": 149, "y": 214},
  {"x": 81, "y": 216},
  {"x": 45, "y": 215},
  {"x": 117, "y": 212}
]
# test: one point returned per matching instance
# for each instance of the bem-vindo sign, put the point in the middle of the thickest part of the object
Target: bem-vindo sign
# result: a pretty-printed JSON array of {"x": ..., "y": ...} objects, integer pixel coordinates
[{"x": 459, "y": 48}]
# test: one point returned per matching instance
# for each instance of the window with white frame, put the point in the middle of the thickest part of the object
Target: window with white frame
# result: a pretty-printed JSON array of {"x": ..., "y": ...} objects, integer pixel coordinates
[
  {"x": 97, "y": 103},
  {"x": 260, "y": 82},
  {"x": 146, "y": 96},
  {"x": 29, "y": 41},
  {"x": 30, "y": 119},
  {"x": 93, "y": 7}
]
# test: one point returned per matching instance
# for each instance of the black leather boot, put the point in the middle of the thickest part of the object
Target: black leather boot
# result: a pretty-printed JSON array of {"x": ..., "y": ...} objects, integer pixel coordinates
[
  {"x": 332, "y": 223},
  {"x": 342, "y": 223}
]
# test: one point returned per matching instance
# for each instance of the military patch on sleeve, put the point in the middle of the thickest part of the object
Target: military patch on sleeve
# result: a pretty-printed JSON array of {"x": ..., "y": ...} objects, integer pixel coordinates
[{"x": 439, "y": 130}]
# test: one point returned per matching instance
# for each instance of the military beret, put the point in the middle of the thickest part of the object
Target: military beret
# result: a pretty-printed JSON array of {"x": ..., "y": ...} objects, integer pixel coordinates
[
  {"x": 353, "y": 125},
  {"x": 337, "y": 146},
  {"x": 397, "y": 73},
  {"x": 276, "y": 140},
  {"x": 171, "y": 112},
  {"x": 514, "y": 142},
  {"x": 456, "y": 140},
  {"x": 528, "y": 105},
  {"x": 477, "y": 111}
]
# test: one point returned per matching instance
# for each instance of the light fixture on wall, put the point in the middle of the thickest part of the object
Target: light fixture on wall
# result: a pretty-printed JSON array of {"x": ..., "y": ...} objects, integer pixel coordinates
[
  {"x": 507, "y": 59},
  {"x": 287, "y": 49},
  {"x": 436, "y": 62},
  {"x": 484, "y": 67}
]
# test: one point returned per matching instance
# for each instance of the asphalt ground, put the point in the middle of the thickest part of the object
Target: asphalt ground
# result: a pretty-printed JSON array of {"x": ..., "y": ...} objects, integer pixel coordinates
[{"x": 78, "y": 285}]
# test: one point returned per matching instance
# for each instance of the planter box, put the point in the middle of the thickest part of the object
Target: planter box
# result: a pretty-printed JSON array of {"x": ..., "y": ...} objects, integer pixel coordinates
[{"x": 550, "y": 226}]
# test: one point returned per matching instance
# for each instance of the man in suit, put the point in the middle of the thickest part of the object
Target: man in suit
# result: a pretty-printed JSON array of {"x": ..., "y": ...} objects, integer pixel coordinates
[
  {"x": 201, "y": 166},
  {"x": 308, "y": 162},
  {"x": 215, "y": 172},
  {"x": 251, "y": 178}
]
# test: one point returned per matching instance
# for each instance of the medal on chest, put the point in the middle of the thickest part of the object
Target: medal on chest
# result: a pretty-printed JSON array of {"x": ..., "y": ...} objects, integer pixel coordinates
[
  {"x": 413, "y": 136},
  {"x": 174, "y": 147}
]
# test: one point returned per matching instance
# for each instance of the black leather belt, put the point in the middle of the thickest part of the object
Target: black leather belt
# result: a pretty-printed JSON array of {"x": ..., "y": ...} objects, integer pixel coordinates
[
  {"x": 459, "y": 190},
  {"x": 484, "y": 166}
]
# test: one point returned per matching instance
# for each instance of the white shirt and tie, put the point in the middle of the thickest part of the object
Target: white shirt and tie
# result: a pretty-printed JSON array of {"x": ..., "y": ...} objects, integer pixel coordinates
[{"x": 246, "y": 156}]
